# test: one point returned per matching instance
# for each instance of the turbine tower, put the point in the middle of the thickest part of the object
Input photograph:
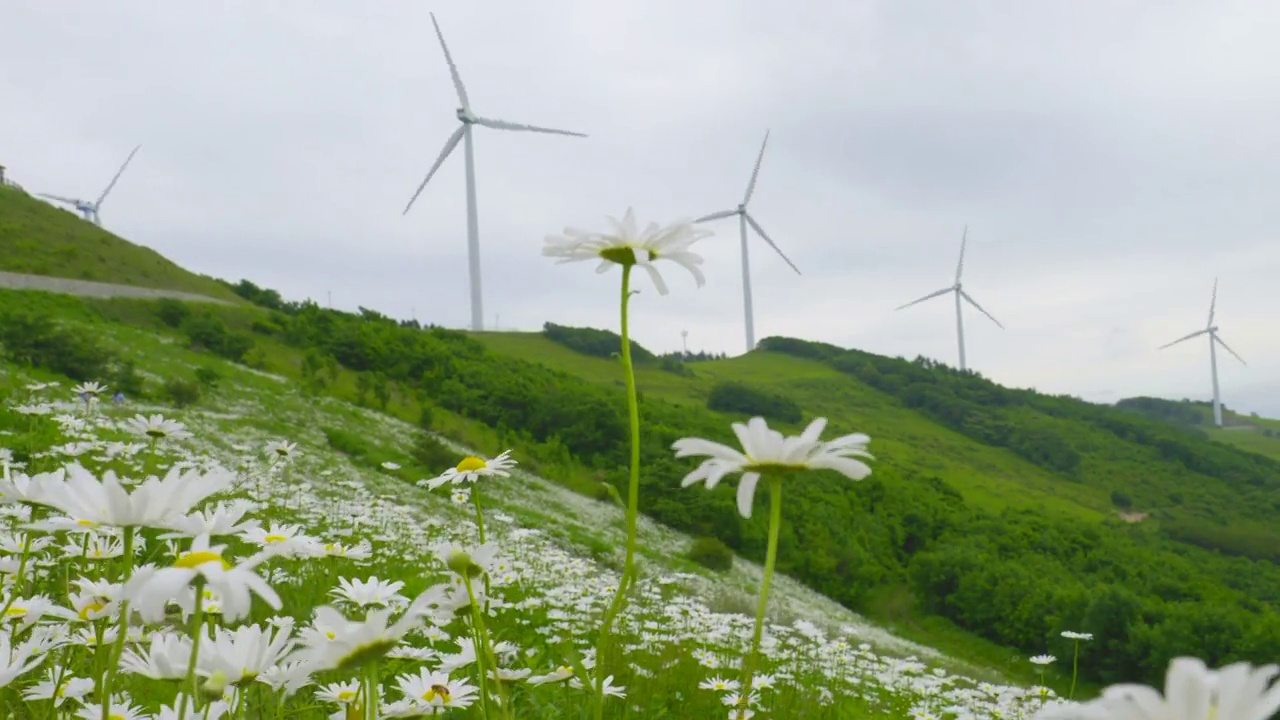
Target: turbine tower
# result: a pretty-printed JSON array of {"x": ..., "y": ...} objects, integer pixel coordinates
[
  {"x": 463, "y": 132},
  {"x": 745, "y": 219},
  {"x": 1212, "y": 331},
  {"x": 958, "y": 289},
  {"x": 90, "y": 209}
]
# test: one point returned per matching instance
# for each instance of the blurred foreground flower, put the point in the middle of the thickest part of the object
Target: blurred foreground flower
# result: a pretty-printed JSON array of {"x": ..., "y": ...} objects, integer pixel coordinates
[{"x": 1191, "y": 692}]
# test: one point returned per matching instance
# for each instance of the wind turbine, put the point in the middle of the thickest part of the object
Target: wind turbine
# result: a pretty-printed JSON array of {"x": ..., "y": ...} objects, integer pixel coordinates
[
  {"x": 90, "y": 209},
  {"x": 1212, "y": 331},
  {"x": 745, "y": 219},
  {"x": 958, "y": 289},
  {"x": 463, "y": 132}
]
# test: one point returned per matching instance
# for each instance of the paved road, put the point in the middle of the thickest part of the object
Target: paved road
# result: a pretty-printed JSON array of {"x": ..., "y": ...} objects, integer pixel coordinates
[{"x": 86, "y": 288}]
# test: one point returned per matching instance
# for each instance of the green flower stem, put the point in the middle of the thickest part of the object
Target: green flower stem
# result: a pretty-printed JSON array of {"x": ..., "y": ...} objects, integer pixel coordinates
[
  {"x": 197, "y": 629},
  {"x": 484, "y": 646},
  {"x": 1075, "y": 671},
  {"x": 113, "y": 655},
  {"x": 475, "y": 498},
  {"x": 633, "y": 498},
  {"x": 371, "y": 692},
  {"x": 775, "y": 524}
]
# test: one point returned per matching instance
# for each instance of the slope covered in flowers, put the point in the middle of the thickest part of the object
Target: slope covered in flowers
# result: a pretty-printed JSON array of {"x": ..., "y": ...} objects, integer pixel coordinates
[{"x": 355, "y": 534}]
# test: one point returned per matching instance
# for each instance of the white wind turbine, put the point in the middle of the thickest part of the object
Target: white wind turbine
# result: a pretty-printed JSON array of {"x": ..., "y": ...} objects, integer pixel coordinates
[
  {"x": 1212, "y": 331},
  {"x": 464, "y": 133},
  {"x": 90, "y": 209},
  {"x": 958, "y": 289},
  {"x": 745, "y": 219}
]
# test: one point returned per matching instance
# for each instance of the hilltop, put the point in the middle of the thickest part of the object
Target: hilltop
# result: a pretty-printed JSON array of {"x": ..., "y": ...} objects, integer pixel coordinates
[
  {"x": 1248, "y": 432},
  {"x": 40, "y": 239}
]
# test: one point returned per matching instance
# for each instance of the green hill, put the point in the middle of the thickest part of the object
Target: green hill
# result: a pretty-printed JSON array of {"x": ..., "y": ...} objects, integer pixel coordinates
[
  {"x": 1247, "y": 432},
  {"x": 40, "y": 239},
  {"x": 993, "y": 513}
]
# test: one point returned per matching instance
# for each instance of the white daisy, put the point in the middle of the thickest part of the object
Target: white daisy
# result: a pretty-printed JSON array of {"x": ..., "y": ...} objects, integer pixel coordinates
[
  {"x": 626, "y": 245},
  {"x": 765, "y": 451}
]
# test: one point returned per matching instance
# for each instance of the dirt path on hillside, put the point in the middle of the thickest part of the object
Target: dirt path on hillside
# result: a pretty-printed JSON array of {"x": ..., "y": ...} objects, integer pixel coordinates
[{"x": 87, "y": 288}]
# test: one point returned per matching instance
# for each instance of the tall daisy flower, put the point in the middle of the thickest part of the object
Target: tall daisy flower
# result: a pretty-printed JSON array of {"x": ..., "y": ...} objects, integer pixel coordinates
[
  {"x": 628, "y": 247},
  {"x": 156, "y": 427},
  {"x": 471, "y": 469},
  {"x": 767, "y": 453}
]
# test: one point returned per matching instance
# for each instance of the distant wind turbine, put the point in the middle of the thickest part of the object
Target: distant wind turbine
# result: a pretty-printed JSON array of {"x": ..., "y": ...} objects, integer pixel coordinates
[
  {"x": 464, "y": 133},
  {"x": 745, "y": 219},
  {"x": 958, "y": 289},
  {"x": 1212, "y": 331},
  {"x": 90, "y": 209}
]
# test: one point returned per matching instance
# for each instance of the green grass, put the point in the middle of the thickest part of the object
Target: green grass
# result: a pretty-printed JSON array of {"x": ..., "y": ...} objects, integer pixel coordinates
[{"x": 39, "y": 239}]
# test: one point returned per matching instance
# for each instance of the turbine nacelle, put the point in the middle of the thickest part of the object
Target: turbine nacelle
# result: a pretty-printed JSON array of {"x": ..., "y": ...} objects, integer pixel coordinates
[
  {"x": 742, "y": 208},
  {"x": 465, "y": 116}
]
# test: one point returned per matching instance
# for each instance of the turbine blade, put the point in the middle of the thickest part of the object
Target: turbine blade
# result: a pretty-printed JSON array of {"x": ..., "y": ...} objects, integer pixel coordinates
[
  {"x": 449, "y": 145},
  {"x": 453, "y": 69},
  {"x": 1228, "y": 348},
  {"x": 974, "y": 303},
  {"x": 504, "y": 125},
  {"x": 716, "y": 216},
  {"x": 752, "y": 222},
  {"x": 1213, "y": 302},
  {"x": 964, "y": 238},
  {"x": 119, "y": 172},
  {"x": 755, "y": 172},
  {"x": 930, "y": 296},
  {"x": 59, "y": 198},
  {"x": 1197, "y": 333}
]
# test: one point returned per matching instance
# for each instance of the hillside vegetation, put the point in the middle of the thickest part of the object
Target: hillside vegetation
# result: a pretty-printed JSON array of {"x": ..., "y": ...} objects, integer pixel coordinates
[
  {"x": 1247, "y": 432},
  {"x": 1007, "y": 513},
  {"x": 40, "y": 239}
]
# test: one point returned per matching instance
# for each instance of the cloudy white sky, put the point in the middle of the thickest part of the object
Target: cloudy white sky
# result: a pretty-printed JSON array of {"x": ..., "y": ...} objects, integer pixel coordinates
[{"x": 1110, "y": 159}]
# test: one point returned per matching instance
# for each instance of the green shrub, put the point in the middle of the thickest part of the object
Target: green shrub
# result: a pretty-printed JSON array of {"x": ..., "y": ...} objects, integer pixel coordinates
[
  {"x": 182, "y": 392},
  {"x": 1121, "y": 499},
  {"x": 39, "y": 341},
  {"x": 432, "y": 454},
  {"x": 733, "y": 397},
  {"x": 590, "y": 341},
  {"x": 711, "y": 553},
  {"x": 126, "y": 379},
  {"x": 172, "y": 312},
  {"x": 208, "y": 332},
  {"x": 675, "y": 366},
  {"x": 208, "y": 377}
]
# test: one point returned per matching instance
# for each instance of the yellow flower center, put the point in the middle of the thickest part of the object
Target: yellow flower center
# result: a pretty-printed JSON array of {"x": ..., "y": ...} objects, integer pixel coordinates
[
  {"x": 282, "y": 451},
  {"x": 346, "y": 696},
  {"x": 156, "y": 433},
  {"x": 275, "y": 538},
  {"x": 15, "y": 612},
  {"x": 331, "y": 635},
  {"x": 61, "y": 691},
  {"x": 195, "y": 559},
  {"x": 116, "y": 716},
  {"x": 471, "y": 463},
  {"x": 91, "y": 608},
  {"x": 86, "y": 523},
  {"x": 436, "y": 691}
]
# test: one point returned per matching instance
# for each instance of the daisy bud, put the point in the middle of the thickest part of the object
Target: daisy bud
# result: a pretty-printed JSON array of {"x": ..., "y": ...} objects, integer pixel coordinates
[{"x": 215, "y": 687}]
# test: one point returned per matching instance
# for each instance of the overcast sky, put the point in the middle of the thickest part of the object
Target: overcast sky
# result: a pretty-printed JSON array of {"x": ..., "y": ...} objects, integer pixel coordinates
[{"x": 1110, "y": 159}]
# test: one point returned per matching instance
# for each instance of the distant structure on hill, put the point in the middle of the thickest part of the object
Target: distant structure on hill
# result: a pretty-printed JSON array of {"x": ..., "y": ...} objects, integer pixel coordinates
[{"x": 6, "y": 181}]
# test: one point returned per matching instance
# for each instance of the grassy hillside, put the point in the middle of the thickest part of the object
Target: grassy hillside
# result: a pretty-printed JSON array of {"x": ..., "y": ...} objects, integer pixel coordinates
[
  {"x": 991, "y": 512},
  {"x": 41, "y": 239},
  {"x": 349, "y": 486}
]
